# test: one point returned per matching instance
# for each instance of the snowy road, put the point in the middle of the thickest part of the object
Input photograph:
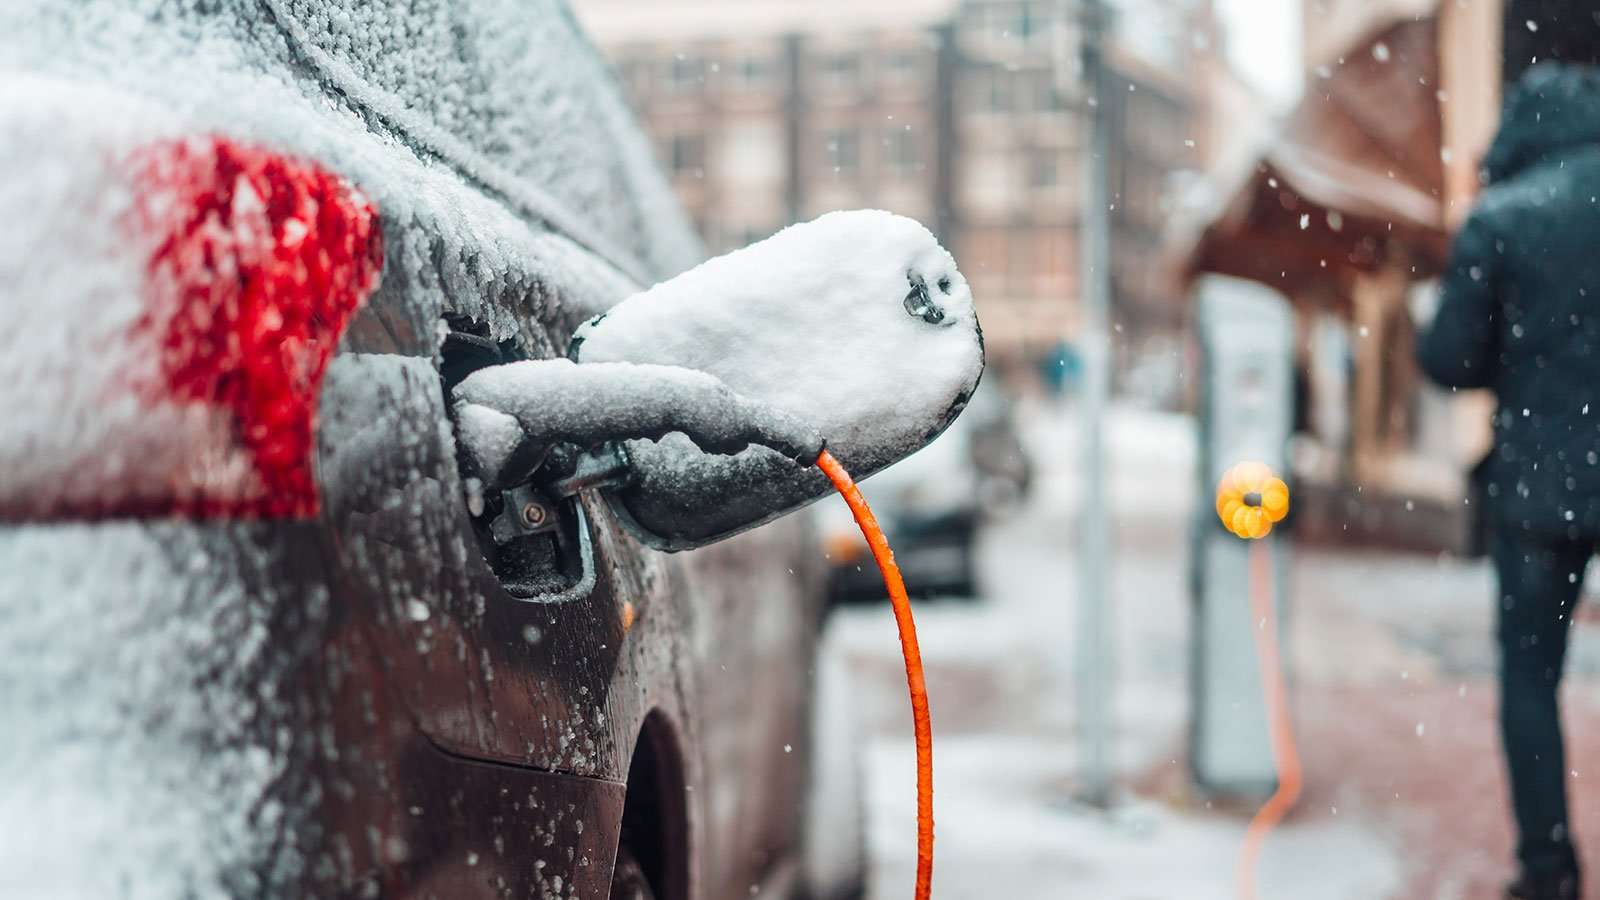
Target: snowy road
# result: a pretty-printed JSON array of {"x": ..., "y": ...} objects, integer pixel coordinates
[{"x": 1385, "y": 689}]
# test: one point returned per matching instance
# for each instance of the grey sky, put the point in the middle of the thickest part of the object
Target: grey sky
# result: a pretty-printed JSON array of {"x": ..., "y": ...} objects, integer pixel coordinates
[{"x": 1264, "y": 44}]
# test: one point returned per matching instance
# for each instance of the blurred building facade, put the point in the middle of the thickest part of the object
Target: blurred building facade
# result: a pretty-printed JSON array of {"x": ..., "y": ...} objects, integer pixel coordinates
[
  {"x": 963, "y": 114},
  {"x": 1346, "y": 208}
]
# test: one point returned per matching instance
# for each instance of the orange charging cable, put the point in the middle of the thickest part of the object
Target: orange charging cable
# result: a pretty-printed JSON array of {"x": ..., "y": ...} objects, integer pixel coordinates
[
  {"x": 1250, "y": 500},
  {"x": 921, "y": 723}
]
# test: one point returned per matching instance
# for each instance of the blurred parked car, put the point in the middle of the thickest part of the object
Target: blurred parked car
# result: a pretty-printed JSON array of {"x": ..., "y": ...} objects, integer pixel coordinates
[
  {"x": 932, "y": 505},
  {"x": 386, "y": 698}
]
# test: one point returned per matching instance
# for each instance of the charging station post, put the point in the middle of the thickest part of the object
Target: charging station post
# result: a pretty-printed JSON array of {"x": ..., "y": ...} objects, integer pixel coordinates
[
  {"x": 1095, "y": 637},
  {"x": 1246, "y": 338}
]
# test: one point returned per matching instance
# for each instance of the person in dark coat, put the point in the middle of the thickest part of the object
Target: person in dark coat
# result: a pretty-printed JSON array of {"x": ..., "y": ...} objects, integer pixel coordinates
[{"x": 1520, "y": 314}]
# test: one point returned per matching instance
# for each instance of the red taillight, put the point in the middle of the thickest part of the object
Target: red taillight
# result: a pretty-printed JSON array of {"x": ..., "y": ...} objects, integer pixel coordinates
[
  {"x": 168, "y": 325},
  {"x": 260, "y": 261}
]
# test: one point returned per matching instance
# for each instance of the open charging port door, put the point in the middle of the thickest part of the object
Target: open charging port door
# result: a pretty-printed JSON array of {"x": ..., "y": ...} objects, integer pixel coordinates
[{"x": 535, "y": 540}]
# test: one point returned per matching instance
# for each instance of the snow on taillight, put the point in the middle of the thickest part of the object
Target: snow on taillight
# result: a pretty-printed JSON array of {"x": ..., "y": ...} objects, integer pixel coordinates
[
  {"x": 262, "y": 262},
  {"x": 201, "y": 399}
]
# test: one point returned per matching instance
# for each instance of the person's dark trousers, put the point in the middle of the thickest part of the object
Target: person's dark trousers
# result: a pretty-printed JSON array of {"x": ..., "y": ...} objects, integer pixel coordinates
[{"x": 1539, "y": 585}]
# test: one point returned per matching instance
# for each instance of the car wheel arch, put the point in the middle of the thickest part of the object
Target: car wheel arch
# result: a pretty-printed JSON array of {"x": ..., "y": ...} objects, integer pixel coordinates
[{"x": 656, "y": 818}]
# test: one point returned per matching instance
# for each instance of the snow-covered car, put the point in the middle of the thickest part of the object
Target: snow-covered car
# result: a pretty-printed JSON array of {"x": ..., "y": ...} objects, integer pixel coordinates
[
  {"x": 933, "y": 504},
  {"x": 296, "y": 658}
]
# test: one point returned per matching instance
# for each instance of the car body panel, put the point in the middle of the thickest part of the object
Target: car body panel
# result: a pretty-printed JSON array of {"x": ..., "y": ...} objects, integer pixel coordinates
[{"x": 330, "y": 678}]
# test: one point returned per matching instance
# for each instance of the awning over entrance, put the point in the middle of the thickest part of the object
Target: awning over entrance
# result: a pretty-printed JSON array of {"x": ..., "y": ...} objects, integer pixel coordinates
[{"x": 1352, "y": 178}]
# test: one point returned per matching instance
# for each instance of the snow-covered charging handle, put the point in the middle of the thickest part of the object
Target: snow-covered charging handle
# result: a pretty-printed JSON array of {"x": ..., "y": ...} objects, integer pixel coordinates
[{"x": 857, "y": 324}]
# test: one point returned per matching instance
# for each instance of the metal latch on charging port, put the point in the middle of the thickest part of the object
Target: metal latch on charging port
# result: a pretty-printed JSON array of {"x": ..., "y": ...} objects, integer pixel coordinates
[
  {"x": 523, "y": 513},
  {"x": 528, "y": 510}
]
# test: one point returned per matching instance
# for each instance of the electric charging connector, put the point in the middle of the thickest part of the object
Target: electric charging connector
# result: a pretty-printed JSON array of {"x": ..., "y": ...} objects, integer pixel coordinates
[{"x": 513, "y": 418}]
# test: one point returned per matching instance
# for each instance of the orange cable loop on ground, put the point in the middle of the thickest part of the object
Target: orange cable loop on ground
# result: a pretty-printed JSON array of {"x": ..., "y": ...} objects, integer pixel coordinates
[
  {"x": 1285, "y": 758},
  {"x": 913, "y": 656}
]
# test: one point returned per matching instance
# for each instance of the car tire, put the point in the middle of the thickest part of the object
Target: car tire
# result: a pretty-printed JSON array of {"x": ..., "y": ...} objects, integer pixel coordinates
[{"x": 628, "y": 881}]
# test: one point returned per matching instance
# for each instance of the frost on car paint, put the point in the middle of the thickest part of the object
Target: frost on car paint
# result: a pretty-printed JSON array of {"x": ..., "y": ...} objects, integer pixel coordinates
[
  {"x": 149, "y": 749},
  {"x": 252, "y": 265},
  {"x": 261, "y": 261},
  {"x": 222, "y": 759},
  {"x": 470, "y": 214}
]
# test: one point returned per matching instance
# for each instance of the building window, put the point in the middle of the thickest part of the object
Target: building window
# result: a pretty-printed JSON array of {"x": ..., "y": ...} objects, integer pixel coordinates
[
  {"x": 983, "y": 255},
  {"x": 902, "y": 65},
  {"x": 753, "y": 73},
  {"x": 998, "y": 91},
  {"x": 731, "y": 235},
  {"x": 843, "y": 150},
  {"x": 749, "y": 234},
  {"x": 991, "y": 183},
  {"x": 1056, "y": 250},
  {"x": 1044, "y": 171},
  {"x": 902, "y": 151},
  {"x": 686, "y": 154},
  {"x": 1019, "y": 263},
  {"x": 994, "y": 23},
  {"x": 1047, "y": 96},
  {"x": 841, "y": 71},
  {"x": 1026, "y": 23},
  {"x": 685, "y": 74},
  {"x": 634, "y": 75},
  {"x": 750, "y": 153}
]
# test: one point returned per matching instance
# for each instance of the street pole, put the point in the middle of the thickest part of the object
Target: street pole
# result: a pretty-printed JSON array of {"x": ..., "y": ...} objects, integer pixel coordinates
[{"x": 1095, "y": 638}]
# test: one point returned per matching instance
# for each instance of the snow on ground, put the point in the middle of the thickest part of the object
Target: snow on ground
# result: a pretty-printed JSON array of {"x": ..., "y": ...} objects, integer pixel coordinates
[
  {"x": 1006, "y": 828},
  {"x": 1000, "y": 679}
]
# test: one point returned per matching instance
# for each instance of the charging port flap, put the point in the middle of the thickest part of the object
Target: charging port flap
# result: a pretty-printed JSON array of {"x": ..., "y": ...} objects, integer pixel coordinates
[{"x": 536, "y": 542}]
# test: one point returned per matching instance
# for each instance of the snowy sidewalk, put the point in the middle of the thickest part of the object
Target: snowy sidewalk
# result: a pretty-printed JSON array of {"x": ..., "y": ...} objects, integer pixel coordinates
[
  {"x": 1393, "y": 698},
  {"x": 1397, "y": 711}
]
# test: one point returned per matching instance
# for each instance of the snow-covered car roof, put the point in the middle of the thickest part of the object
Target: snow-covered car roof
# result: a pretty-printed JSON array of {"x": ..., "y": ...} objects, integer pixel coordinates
[{"x": 503, "y": 97}]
